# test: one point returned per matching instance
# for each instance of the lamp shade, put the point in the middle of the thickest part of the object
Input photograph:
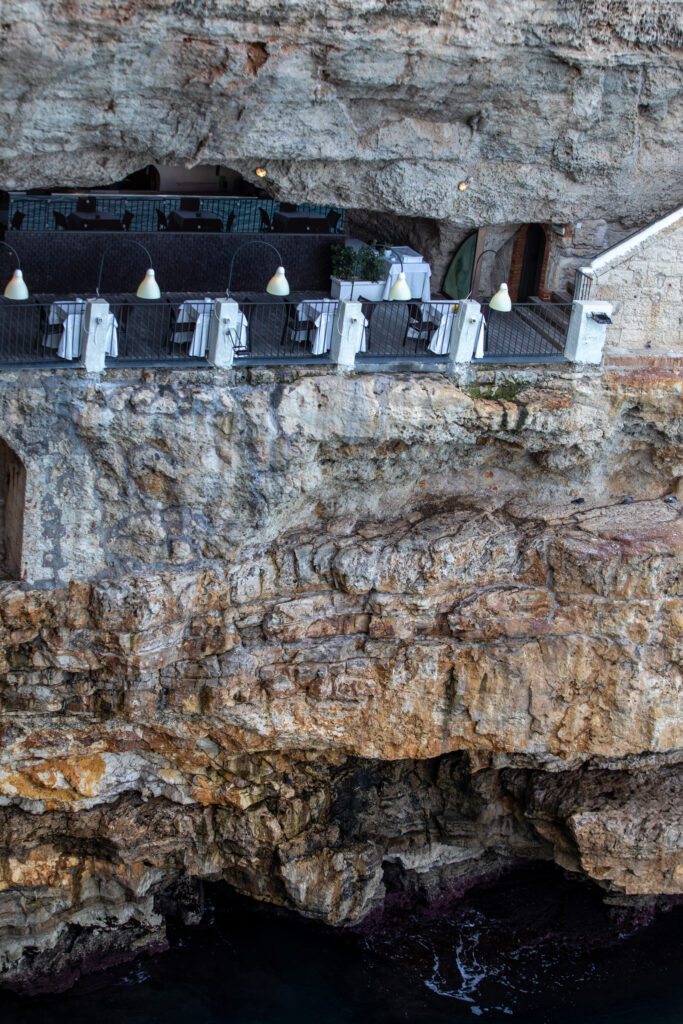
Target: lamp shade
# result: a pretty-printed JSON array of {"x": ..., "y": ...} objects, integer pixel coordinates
[
  {"x": 16, "y": 288},
  {"x": 149, "y": 289},
  {"x": 501, "y": 300},
  {"x": 278, "y": 284},
  {"x": 400, "y": 289}
]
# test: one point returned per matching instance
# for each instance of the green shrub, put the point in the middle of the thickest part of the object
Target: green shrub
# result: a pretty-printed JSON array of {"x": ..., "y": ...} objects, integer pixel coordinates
[{"x": 364, "y": 264}]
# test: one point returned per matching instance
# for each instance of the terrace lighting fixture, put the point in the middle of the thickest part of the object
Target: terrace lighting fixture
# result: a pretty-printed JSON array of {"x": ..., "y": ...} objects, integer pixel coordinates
[
  {"x": 278, "y": 284},
  {"x": 463, "y": 185},
  {"x": 501, "y": 301},
  {"x": 400, "y": 289},
  {"x": 260, "y": 172},
  {"x": 16, "y": 286},
  {"x": 148, "y": 287}
]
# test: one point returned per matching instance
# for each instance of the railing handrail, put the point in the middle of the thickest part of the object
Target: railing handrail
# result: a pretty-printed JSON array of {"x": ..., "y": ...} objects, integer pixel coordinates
[{"x": 106, "y": 193}]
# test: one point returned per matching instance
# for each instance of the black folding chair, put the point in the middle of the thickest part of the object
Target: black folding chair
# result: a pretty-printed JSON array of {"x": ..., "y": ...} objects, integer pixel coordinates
[
  {"x": 333, "y": 221},
  {"x": 60, "y": 220},
  {"x": 265, "y": 223},
  {"x": 127, "y": 220},
  {"x": 418, "y": 329},
  {"x": 162, "y": 222},
  {"x": 17, "y": 218},
  {"x": 230, "y": 221}
]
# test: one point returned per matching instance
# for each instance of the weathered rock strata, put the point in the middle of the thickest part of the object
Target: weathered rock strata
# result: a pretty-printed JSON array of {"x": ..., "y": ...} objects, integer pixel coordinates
[
  {"x": 337, "y": 633},
  {"x": 554, "y": 112}
]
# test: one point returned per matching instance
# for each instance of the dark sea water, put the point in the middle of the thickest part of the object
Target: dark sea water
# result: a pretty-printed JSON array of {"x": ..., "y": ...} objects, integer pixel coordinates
[{"x": 531, "y": 946}]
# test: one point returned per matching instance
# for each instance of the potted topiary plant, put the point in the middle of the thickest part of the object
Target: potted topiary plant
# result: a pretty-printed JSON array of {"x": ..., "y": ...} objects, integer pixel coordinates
[{"x": 357, "y": 272}]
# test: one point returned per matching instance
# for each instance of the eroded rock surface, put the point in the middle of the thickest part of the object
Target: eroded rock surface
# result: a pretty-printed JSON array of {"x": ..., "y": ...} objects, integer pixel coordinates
[
  {"x": 321, "y": 635},
  {"x": 553, "y": 112}
]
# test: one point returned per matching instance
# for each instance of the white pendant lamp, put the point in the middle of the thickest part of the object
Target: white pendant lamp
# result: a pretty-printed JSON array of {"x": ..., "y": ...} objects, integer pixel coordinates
[
  {"x": 400, "y": 289},
  {"x": 148, "y": 287},
  {"x": 501, "y": 300},
  {"x": 16, "y": 288},
  {"x": 278, "y": 284}
]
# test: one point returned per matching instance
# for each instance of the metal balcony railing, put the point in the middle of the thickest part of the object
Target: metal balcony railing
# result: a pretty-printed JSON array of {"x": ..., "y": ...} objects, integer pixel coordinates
[
  {"x": 406, "y": 330},
  {"x": 151, "y": 212},
  {"x": 532, "y": 331},
  {"x": 582, "y": 286},
  {"x": 276, "y": 330}
]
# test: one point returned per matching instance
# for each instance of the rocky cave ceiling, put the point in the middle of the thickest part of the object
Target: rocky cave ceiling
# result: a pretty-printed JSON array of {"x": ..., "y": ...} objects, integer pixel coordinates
[{"x": 552, "y": 111}]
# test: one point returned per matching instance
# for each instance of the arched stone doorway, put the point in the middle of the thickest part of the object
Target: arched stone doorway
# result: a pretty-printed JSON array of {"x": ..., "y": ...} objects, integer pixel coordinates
[{"x": 12, "y": 498}]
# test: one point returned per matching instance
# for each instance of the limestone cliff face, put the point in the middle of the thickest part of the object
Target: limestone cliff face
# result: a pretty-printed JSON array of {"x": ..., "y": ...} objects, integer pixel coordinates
[
  {"x": 319, "y": 635},
  {"x": 558, "y": 111}
]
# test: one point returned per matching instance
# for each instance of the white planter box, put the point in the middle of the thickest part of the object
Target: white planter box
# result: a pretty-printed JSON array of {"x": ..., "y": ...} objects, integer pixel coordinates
[{"x": 372, "y": 290}]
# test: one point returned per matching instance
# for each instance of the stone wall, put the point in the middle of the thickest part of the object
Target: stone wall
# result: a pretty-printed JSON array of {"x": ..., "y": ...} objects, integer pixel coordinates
[{"x": 646, "y": 289}]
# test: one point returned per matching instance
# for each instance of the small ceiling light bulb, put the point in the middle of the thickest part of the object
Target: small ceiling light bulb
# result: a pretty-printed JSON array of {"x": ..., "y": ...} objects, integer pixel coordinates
[
  {"x": 462, "y": 187},
  {"x": 260, "y": 172}
]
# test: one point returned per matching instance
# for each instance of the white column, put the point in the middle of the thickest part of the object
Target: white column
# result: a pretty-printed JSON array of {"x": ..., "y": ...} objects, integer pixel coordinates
[
  {"x": 464, "y": 332},
  {"x": 225, "y": 322},
  {"x": 347, "y": 333},
  {"x": 585, "y": 336},
  {"x": 94, "y": 331}
]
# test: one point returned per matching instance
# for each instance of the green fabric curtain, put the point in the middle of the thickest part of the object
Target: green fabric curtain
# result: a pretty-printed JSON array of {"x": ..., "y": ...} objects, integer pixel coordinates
[{"x": 459, "y": 277}]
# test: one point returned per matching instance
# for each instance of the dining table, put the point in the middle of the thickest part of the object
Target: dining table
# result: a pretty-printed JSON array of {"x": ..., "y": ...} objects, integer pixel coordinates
[
  {"x": 194, "y": 220},
  {"x": 93, "y": 221},
  {"x": 65, "y": 325},
  {"x": 322, "y": 314},
  {"x": 443, "y": 315},
  {"x": 418, "y": 273},
  {"x": 298, "y": 223}
]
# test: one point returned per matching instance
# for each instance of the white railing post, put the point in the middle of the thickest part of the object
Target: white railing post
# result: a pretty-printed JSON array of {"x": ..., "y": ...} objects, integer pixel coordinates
[
  {"x": 224, "y": 326},
  {"x": 347, "y": 333},
  {"x": 464, "y": 332},
  {"x": 94, "y": 330},
  {"x": 587, "y": 330}
]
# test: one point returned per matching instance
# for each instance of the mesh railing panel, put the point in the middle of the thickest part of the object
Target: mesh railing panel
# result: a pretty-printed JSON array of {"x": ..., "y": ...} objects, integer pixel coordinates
[
  {"x": 148, "y": 331},
  {"x": 530, "y": 331},
  {"x": 26, "y": 337},
  {"x": 242, "y": 214},
  {"x": 283, "y": 330},
  {"x": 406, "y": 330}
]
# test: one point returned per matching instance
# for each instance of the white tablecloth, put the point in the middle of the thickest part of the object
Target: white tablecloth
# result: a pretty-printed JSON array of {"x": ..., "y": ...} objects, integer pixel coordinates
[
  {"x": 444, "y": 316},
  {"x": 418, "y": 276},
  {"x": 241, "y": 340},
  {"x": 70, "y": 314},
  {"x": 481, "y": 338},
  {"x": 198, "y": 312},
  {"x": 321, "y": 314}
]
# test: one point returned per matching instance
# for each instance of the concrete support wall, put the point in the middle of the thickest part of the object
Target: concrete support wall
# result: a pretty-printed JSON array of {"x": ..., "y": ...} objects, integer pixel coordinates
[{"x": 586, "y": 335}]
